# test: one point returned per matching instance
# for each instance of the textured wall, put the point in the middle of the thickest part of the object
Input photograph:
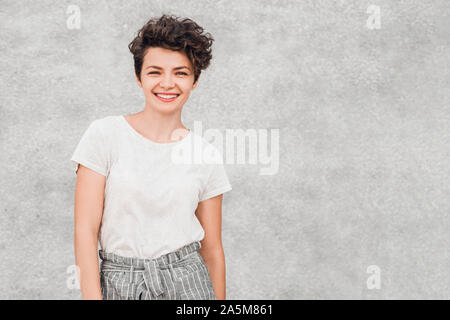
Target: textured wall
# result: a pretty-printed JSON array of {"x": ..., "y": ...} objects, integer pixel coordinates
[{"x": 359, "y": 91}]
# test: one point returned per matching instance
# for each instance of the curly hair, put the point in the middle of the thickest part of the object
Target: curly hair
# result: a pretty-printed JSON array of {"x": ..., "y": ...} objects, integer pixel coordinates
[{"x": 170, "y": 32}]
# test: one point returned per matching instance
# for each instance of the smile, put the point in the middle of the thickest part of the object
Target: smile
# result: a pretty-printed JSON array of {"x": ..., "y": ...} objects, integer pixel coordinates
[{"x": 166, "y": 97}]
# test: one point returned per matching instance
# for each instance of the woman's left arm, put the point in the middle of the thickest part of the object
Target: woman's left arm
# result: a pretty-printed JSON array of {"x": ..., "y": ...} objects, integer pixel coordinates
[{"x": 209, "y": 213}]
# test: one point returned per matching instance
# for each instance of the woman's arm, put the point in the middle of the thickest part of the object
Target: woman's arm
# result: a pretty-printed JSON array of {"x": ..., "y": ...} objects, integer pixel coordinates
[
  {"x": 89, "y": 195},
  {"x": 209, "y": 213}
]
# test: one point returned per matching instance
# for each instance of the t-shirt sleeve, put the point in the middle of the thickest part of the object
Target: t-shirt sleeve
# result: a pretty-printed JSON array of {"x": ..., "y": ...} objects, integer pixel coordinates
[
  {"x": 217, "y": 182},
  {"x": 92, "y": 150}
]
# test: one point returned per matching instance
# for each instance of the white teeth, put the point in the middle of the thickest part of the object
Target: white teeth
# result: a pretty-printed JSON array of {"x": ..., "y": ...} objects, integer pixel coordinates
[{"x": 166, "y": 96}]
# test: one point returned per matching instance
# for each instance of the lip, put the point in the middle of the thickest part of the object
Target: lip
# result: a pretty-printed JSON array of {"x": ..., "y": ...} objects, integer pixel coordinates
[{"x": 167, "y": 93}]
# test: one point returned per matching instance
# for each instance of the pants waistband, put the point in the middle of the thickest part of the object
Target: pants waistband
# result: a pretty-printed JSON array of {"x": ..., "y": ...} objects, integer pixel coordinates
[
  {"x": 109, "y": 258},
  {"x": 112, "y": 261}
]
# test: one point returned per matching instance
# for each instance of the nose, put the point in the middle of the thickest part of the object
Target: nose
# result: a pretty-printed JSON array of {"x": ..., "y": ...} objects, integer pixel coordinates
[{"x": 167, "y": 81}]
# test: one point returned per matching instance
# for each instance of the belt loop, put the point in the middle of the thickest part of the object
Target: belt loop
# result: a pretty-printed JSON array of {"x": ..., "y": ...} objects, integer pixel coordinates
[{"x": 131, "y": 273}]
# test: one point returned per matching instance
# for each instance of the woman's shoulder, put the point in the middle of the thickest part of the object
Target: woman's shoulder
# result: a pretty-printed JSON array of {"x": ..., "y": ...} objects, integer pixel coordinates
[
  {"x": 106, "y": 126},
  {"x": 110, "y": 122}
]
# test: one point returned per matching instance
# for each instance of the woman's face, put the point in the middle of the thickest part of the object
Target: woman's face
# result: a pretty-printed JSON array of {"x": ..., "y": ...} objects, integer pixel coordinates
[{"x": 167, "y": 73}]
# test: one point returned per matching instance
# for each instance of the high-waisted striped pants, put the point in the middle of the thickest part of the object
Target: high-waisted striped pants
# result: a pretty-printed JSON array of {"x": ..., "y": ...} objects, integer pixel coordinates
[{"x": 179, "y": 275}]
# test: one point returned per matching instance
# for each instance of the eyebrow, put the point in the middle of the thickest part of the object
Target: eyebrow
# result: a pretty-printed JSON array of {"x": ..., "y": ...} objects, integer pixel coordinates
[{"x": 177, "y": 68}]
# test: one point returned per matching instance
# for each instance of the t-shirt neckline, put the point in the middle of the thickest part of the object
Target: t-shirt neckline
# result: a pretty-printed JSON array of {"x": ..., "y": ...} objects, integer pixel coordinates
[{"x": 150, "y": 142}]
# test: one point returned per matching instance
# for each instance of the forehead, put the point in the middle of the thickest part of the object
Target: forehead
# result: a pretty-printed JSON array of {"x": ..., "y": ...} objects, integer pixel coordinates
[{"x": 165, "y": 58}]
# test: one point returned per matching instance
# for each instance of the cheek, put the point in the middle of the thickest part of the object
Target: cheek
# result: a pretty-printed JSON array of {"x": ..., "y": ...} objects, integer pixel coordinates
[
  {"x": 147, "y": 87},
  {"x": 148, "y": 81},
  {"x": 186, "y": 94},
  {"x": 186, "y": 87}
]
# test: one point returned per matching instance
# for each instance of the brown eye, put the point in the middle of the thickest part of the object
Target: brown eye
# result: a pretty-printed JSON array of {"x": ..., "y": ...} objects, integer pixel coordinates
[
  {"x": 153, "y": 72},
  {"x": 182, "y": 73}
]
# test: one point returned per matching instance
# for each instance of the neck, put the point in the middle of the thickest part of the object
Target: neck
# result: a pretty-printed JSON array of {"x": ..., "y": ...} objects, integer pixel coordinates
[{"x": 159, "y": 126}]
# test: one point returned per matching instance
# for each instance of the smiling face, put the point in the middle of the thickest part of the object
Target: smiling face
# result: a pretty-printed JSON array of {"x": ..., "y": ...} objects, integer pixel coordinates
[{"x": 167, "y": 79}]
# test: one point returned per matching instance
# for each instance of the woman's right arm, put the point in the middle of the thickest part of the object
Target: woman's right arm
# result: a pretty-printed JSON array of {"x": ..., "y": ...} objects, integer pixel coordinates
[{"x": 88, "y": 207}]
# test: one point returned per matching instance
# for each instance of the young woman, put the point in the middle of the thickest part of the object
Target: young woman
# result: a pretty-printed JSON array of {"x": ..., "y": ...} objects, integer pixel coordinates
[{"x": 158, "y": 220}]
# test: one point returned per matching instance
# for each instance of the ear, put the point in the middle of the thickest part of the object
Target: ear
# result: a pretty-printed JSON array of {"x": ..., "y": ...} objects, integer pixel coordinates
[
  {"x": 137, "y": 80},
  {"x": 195, "y": 83}
]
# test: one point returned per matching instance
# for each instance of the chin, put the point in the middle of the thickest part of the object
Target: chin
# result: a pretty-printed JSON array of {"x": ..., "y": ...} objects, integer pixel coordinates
[{"x": 162, "y": 108}]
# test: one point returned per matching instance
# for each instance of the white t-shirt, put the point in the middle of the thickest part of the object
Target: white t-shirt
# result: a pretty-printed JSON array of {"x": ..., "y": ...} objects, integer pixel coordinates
[{"x": 152, "y": 189}]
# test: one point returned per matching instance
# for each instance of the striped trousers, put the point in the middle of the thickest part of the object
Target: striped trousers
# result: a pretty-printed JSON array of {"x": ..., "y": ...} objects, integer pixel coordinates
[{"x": 178, "y": 275}]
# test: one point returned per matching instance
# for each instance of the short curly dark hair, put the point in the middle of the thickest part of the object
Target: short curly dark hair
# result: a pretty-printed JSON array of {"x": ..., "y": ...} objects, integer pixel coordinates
[{"x": 171, "y": 32}]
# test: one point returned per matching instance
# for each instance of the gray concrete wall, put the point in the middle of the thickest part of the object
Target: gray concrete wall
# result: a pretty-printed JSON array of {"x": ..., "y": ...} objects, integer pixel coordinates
[{"x": 359, "y": 91}]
